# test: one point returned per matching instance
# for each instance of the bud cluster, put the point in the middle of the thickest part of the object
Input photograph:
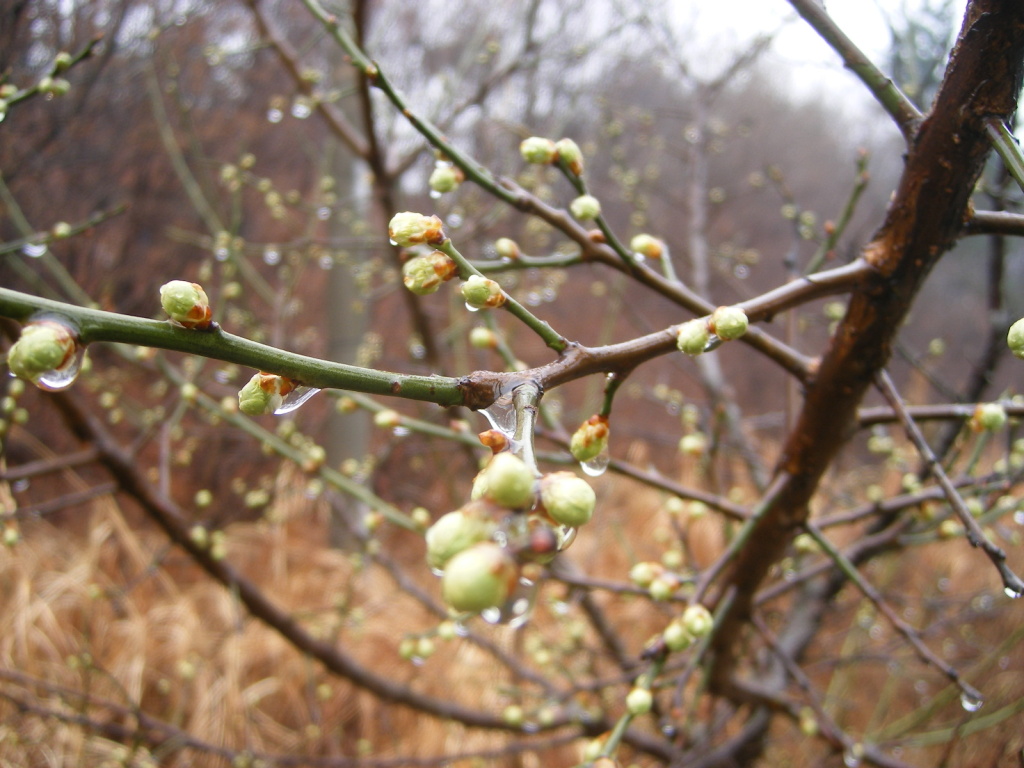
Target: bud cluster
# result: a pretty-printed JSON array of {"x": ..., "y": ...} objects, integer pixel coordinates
[
  {"x": 725, "y": 323},
  {"x": 513, "y": 521}
]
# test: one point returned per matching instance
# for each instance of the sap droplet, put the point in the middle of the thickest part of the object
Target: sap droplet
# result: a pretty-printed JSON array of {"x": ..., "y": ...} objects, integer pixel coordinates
[
  {"x": 34, "y": 250},
  {"x": 61, "y": 378},
  {"x": 295, "y": 398},
  {"x": 275, "y": 115},
  {"x": 596, "y": 466},
  {"x": 1014, "y": 593},
  {"x": 971, "y": 701}
]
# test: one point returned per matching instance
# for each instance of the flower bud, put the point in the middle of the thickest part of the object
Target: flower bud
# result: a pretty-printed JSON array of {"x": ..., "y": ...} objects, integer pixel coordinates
[
  {"x": 494, "y": 439},
  {"x": 264, "y": 393},
  {"x": 590, "y": 439},
  {"x": 697, "y": 620},
  {"x": 639, "y": 701},
  {"x": 692, "y": 336},
  {"x": 568, "y": 499},
  {"x": 387, "y": 418},
  {"x": 480, "y": 577},
  {"x": 507, "y": 248},
  {"x": 644, "y": 572},
  {"x": 570, "y": 154},
  {"x": 61, "y": 230},
  {"x": 585, "y": 207},
  {"x": 728, "y": 323},
  {"x": 453, "y": 532},
  {"x": 1015, "y": 338},
  {"x": 647, "y": 246},
  {"x": 445, "y": 178},
  {"x": 676, "y": 636},
  {"x": 988, "y": 417},
  {"x": 509, "y": 481},
  {"x": 44, "y": 346},
  {"x": 483, "y": 338},
  {"x": 408, "y": 229},
  {"x": 186, "y": 304},
  {"x": 482, "y": 293},
  {"x": 513, "y": 715},
  {"x": 423, "y": 275},
  {"x": 538, "y": 150}
]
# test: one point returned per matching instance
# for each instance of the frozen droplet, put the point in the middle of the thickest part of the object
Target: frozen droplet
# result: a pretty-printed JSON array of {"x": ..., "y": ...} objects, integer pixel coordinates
[
  {"x": 326, "y": 262},
  {"x": 1013, "y": 592},
  {"x": 418, "y": 351},
  {"x": 596, "y": 466},
  {"x": 1018, "y": 517},
  {"x": 271, "y": 256},
  {"x": 274, "y": 115},
  {"x": 435, "y": 194},
  {"x": 295, "y": 398},
  {"x": 34, "y": 250},
  {"x": 491, "y": 615},
  {"x": 461, "y": 629},
  {"x": 516, "y": 610},
  {"x": 638, "y": 257},
  {"x": 566, "y": 536},
  {"x": 61, "y": 378},
  {"x": 971, "y": 701},
  {"x": 471, "y": 308}
]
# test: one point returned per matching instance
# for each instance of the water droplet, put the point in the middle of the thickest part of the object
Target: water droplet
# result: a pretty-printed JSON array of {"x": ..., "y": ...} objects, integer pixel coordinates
[
  {"x": 491, "y": 615},
  {"x": 638, "y": 257},
  {"x": 221, "y": 254},
  {"x": 271, "y": 256},
  {"x": 435, "y": 194},
  {"x": 392, "y": 241},
  {"x": 596, "y": 466},
  {"x": 61, "y": 378},
  {"x": 713, "y": 343},
  {"x": 453, "y": 220},
  {"x": 461, "y": 629},
  {"x": 501, "y": 415},
  {"x": 1012, "y": 592},
  {"x": 566, "y": 536},
  {"x": 533, "y": 298},
  {"x": 301, "y": 110},
  {"x": 326, "y": 262},
  {"x": 437, "y": 571},
  {"x": 471, "y": 308},
  {"x": 530, "y": 727},
  {"x": 741, "y": 271},
  {"x": 401, "y": 431},
  {"x": 323, "y": 213},
  {"x": 853, "y": 755},
  {"x": 34, "y": 250},
  {"x": 1018, "y": 517},
  {"x": 669, "y": 730},
  {"x": 295, "y": 398},
  {"x": 971, "y": 701},
  {"x": 275, "y": 115}
]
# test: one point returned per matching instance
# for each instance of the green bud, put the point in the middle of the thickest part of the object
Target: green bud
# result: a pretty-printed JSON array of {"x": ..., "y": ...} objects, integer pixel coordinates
[
  {"x": 988, "y": 417},
  {"x": 423, "y": 275},
  {"x": 507, "y": 248},
  {"x": 1015, "y": 338},
  {"x": 692, "y": 336},
  {"x": 509, "y": 481},
  {"x": 644, "y": 573},
  {"x": 264, "y": 393},
  {"x": 538, "y": 150},
  {"x": 387, "y": 419},
  {"x": 43, "y": 346},
  {"x": 676, "y": 637},
  {"x": 61, "y": 230},
  {"x": 639, "y": 701},
  {"x": 445, "y": 178},
  {"x": 590, "y": 439},
  {"x": 697, "y": 620},
  {"x": 568, "y": 499},
  {"x": 62, "y": 61},
  {"x": 513, "y": 715},
  {"x": 482, "y": 293},
  {"x": 483, "y": 338},
  {"x": 408, "y": 229},
  {"x": 585, "y": 207},
  {"x": 454, "y": 532},
  {"x": 728, "y": 323},
  {"x": 570, "y": 154},
  {"x": 480, "y": 577},
  {"x": 647, "y": 246},
  {"x": 186, "y": 304}
]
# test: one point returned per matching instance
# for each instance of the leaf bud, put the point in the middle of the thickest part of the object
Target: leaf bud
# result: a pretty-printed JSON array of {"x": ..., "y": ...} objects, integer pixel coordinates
[
  {"x": 408, "y": 229},
  {"x": 728, "y": 323},
  {"x": 692, "y": 336},
  {"x": 479, "y": 577},
  {"x": 423, "y": 275},
  {"x": 445, "y": 178},
  {"x": 988, "y": 417},
  {"x": 568, "y": 499},
  {"x": 483, "y": 338},
  {"x": 697, "y": 620},
  {"x": 264, "y": 393},
  {"x": 482, "y": 293},
  {"x": 585, "y": 207},
  {"x": 590, "y": 439},
  {"x": 61, "y": 61},
  {"x": 644, "y": 573},
  {"x": 570, "y": 154},
  {"x": 507, "y": 248},
  {"x": 509, "y": 481},
  {"x": 647, "y": 246},
  {"x": 538, "y": 150},
  {"x": 44, "y": 346},
  {"x": 61, "y": 230},
  {"x": 1015, "y": 338},
  {"x": 453, "y": 532},
  {"x": 186, "y": 304},
  {"x": 639, "y": 701},
  {"x": 387, "y": 418},
  {"x": 676, "y": 636},
  {"x": 513, "y": 715},
  {"x": 494, "y": 439}
]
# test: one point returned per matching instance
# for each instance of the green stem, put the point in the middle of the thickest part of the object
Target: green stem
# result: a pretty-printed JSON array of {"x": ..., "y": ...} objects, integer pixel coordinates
[
  {"x": 99, "y": 326},
  {"x": 1006, "y": 145}
]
